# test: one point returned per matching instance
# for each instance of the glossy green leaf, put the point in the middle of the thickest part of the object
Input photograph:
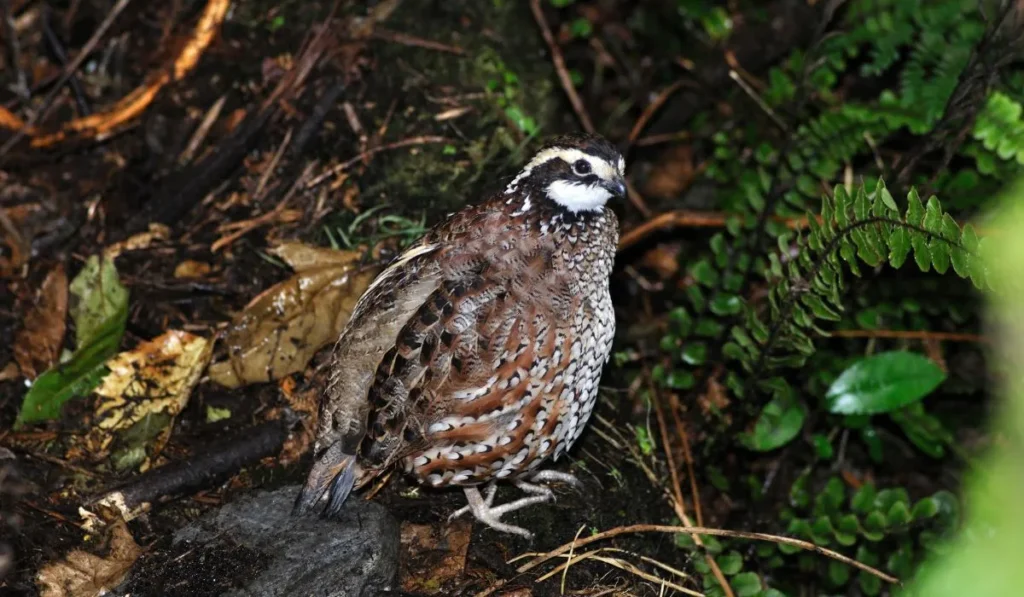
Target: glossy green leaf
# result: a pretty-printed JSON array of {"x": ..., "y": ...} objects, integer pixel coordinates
[
  {"x": 777, "y": 425},
  {"x": 882, "y": 383}
]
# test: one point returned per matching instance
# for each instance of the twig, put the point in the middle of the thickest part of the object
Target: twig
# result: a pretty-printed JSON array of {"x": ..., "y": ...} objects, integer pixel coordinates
[
  {"x": 910, "y": 335},
  {"x": 660, "y": 528},
  {"x": 412, "y": 141},
  {"x": 637, "y": 199},
  {"x": 688, "y": 457},
  {"x": 677, "y": 492},
  {"x": 208, "y": 467},
  {"x": 20, "y": 86},
  {"x": 417, "y": 42},
  {"x": 651, "y": 110},
  {"x": 758, "y": 100},
  {"x": 102, "y": 124},
  {"x": 199, "y": 135},
  {"x": 69, "y": 69},
  {"x": 560, "y": 68},
  {"x": 690, "y": 219},
  {"x": 62, "y": 56}
]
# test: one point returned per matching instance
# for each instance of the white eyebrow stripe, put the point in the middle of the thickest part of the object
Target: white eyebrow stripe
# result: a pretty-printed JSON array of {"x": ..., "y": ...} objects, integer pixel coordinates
[{"x": 602, "y": 168}]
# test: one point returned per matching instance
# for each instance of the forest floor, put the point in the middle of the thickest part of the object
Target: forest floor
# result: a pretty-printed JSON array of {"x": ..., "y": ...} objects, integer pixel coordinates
[{"x": 189, "y": 157}]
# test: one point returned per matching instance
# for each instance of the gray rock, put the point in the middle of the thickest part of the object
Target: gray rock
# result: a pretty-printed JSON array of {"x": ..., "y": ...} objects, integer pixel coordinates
[{"x": 254, "y": 547}]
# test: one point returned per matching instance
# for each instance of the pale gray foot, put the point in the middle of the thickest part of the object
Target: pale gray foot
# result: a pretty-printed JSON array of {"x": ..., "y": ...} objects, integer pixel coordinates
[
  {"x": 491, "y": 515},
  {"x": 489, "y": 492}
]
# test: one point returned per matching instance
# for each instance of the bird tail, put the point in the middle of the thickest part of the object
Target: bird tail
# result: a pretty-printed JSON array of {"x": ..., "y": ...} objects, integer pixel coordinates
[{"x": 334, "y": 470}]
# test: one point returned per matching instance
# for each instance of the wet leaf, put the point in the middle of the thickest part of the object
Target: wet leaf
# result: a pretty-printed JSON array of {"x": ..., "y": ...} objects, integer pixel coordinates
[
  {"x": 146, "y": 388},
  {"x": 99, "y": 297},
  {"x": 82, "y": 574},
  {"x": 280, "y": 330},
  {"x": 433, "y": 556},
  {"x": 38, "y": 344},
  {"x": 883, "y": 382},
  {"x": 100, "y": 315}
]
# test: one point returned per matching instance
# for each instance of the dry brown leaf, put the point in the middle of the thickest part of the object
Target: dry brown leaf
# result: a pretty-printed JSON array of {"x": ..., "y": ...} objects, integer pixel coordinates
[
  {"x": 146, "y": 388},
  {"x": 38, "y": 344},
  {"x": 82, "y": 574},
  {"x": 10, "y": 371},
  {"x": 672, "y": 174},
  {"x": 433, "y": 556},
  {"x": 280, "y": 330},
  {"x": 191, "y": 268},
  {"x": 137, "y": 242}
]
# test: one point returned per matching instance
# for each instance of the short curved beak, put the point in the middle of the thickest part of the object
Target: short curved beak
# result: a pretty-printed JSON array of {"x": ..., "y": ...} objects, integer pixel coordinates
[{"x": 617, "y": 187}]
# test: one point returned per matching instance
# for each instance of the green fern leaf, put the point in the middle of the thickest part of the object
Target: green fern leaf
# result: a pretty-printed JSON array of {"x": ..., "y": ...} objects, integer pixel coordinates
[
  {"x": 915, "y": 210},
  {"x": 899, "y": 246},
  {"x": 939, "y": 250}
]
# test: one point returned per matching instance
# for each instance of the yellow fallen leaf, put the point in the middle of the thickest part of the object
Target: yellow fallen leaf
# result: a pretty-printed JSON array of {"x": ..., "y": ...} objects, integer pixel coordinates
[
  {"x": 145, "y": 389},
  {"x": 82, "y": 574},
  {"x": 136, "y": 242},
  {"x": 190, "y": 268},
  {"x": 280, "y": 330}
]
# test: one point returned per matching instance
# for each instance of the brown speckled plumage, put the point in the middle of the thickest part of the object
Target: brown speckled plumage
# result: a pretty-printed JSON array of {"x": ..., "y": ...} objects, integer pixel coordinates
[{"x": 476, "y": 355}]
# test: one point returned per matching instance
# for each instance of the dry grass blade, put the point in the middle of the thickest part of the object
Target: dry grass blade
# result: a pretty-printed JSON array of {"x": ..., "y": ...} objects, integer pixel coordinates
[
  {"x": 659, "y": 528},
  {"x": 624, "y": 565}
]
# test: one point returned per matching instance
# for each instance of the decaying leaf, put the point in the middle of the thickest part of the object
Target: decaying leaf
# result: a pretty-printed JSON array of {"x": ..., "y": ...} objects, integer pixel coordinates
[
  {"x": 280, "y": 330},
  {"x": 433, "y": 556},
  {"x": 191, "y": 268},
  {"x": 100, "y": 314},
  {"x": 99, "y": 297},
  {"x": 136, "y": 242},
  {"x": 82, "y": 574},
  {"x": 38, "y": 344},
  {"x": 146, "y": 388}
]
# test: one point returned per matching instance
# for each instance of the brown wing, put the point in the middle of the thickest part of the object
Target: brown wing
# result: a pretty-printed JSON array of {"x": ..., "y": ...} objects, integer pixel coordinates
[
  {"x": 477, "y": 368},
  {"x": 473, "y": 250}
]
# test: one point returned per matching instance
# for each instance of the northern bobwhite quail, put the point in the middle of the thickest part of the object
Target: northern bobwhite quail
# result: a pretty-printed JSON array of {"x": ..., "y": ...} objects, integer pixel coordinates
[{"x": 476, "y": 355}]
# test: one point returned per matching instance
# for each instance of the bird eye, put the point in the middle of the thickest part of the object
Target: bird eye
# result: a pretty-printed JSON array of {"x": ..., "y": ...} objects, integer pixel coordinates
[{"x": 581, "y": 167}]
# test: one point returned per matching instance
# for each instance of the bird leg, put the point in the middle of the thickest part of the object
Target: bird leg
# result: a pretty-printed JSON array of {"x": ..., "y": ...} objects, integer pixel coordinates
[
  {"x": 491, "y": 515},
  {"x": 488, "y": 500}
]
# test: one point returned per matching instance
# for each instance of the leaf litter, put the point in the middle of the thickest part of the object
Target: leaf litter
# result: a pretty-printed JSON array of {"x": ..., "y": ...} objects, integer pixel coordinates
[
  {"x": 281, "y": 329},
  {"x": 37, "y": 346},
  {"x": 82, "y": 574},
  {"x": 100, "y": 313},
  {"x": 138, "y": 400}
]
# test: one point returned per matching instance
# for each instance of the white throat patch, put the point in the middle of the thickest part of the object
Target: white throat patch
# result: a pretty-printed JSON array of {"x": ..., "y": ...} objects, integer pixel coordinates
[
  {"x": 603, "y": 169},
  {"x": 576, "y": 196}
]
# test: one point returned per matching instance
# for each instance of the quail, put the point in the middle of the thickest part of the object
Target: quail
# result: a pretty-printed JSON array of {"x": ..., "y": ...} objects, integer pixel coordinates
[{"x": 475, "y": 356}]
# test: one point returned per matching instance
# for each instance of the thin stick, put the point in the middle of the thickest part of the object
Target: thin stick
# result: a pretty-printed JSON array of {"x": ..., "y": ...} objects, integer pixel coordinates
[
  {"x": 910, "y": 335},
  {"x": 688, "y": 457},
  {"x": 69, "y": 70},
  {"x": 422, "y": 140},
  {"x": 652, "y": 109},
  {"x": 758, "y": 100},
  {"x": 563, "y": 73},
  {"x": 677, "y": 492},
  {"x": 417, "y": 42},
  {"x": 20, "y": 87},
  {"x": 690, "y": 219},
  {"x": 659, "y": 528}
]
